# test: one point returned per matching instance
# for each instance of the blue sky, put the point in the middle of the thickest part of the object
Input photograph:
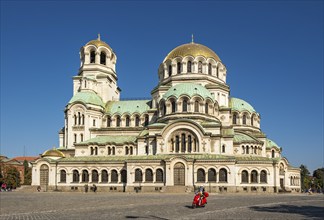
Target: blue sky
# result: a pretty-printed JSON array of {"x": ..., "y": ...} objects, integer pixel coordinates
[{"x": 273, "y": 51}]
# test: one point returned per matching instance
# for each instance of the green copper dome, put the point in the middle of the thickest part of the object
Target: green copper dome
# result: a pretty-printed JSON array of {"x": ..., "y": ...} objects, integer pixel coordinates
[
  {"x": 240, "y": 105},
  {"x": 189, "y": 89},
  {"x": 87, "y": 97}
]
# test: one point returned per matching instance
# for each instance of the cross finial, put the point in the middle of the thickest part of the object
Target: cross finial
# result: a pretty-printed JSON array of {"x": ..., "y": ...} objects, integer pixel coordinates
[
  {"x": 98, "y": 36},
  {"x": 192, "y": 38}
]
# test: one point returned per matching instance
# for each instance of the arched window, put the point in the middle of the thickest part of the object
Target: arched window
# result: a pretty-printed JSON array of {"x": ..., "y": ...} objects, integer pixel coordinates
[
  {"x": 163, "y": 109},
  {"x": 272, "y": 153},
  {"x": 103, "y": 58},
  {"x": 199, "y": 67},
  {"x": 189, "y": 67},
  {"x": 82, "y": 117},
  {"x": 184, "y": 105},
  {"x": 81, "y": 137},
  {"x": 113, "y": 151},
  {"x": 79, "y": 118},
  {"x": 245, "y": 176},
  {"x": 196, "y": 106},
  {"x": 92, "y": 56},
  {"x": 63, "y": 176},
  {"x": 137, "y": 121},
  {"x": 183, "y": 143},
  {"x": 96, "y": 151},
  {"x": 148, "y": 175},
  {"x": 126, "y": 151},
  {"x": 211, "y": 175},
  {"x": 201, "y": 175},
  {"x": 138, "y": 175},
  {"x": 109, "y": 151},
  {"x": 76, "y": 176},
  {"x": 170, "y": 70},
  {"x": 222, "y": 175},
  {"x": 209, "y": 69},
  {"x": 263, "y": 176},
  {"x": 75, "y": 120},
  {"x": 95, "y": 176},
  {"x": 146, "y": 122},
  {"x": 127, "y": 121},
  {"x": 114, "y": 176},
  {"x": 252, "y": 120},
  {"x": 177, "y": 144},
  {"x": 173, "y": 106},
  {"x": 85, "y": 176},
  {"x": 104, "y": 176},
  {"x": 118, "y": 121},
  {"x": 178, "y": 67},
  {"x": 244, "y": 119},
  {"x": 243, "y": 150},
  {"x": 247, "y": 149},
  {"x": 159, "y": 175},
  {"x": 234, "y": 119},
  {"x": 108, "y": 121},
  {"x": 254, "y": 176},
  {"x": 189, "y": 143},
  {"x": 206, "y": 108},
  {"x": 131, "y": 150},
  {"x": 223, "y": 149},
  {"x": 217, "y": 69},
  {"x": 75, "y": 138}
]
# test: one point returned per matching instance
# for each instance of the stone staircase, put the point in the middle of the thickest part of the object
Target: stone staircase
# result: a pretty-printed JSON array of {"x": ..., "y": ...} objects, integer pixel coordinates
[
  {"x": 177, "y": 189},
  {"x": 26, "y": 188}
]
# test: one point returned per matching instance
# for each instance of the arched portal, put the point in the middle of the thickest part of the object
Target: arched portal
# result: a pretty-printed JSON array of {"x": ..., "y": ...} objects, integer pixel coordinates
[
  {"x": 179, "y": 174},
  {"x": 44, "y": 177}
]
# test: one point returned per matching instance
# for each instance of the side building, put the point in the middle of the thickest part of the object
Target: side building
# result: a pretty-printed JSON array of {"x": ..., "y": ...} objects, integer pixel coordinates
[{"x": 190, "y": 133}]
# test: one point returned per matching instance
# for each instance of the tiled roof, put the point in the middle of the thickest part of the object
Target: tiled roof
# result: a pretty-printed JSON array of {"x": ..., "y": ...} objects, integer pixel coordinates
[
  {"x": 87, "y": 97},
  {"x": 189, "y": 89},
  {"x": 129, "y": 106},
  {"x": 110, "y": 140},
  {"x": 244, "y": 138},
  {"x": 240, "y": 105},
  {"x": 29, "y": 159}
]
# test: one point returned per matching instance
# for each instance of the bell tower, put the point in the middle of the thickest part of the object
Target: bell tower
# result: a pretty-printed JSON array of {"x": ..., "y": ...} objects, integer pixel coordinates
[{"x": 97, "y": 71}]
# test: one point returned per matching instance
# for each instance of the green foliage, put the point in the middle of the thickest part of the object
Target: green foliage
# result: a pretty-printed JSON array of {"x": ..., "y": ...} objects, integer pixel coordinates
[
  {"x": 304, "y": 175},
  {"x": 28, "y": 173},
  {"x": 318, "y": 176},
  {"x": 10, "y": 176}
]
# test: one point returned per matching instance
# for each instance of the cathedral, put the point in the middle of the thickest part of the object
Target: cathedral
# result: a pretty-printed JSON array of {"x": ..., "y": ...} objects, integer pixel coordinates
[{"x": 190, "y": 132}]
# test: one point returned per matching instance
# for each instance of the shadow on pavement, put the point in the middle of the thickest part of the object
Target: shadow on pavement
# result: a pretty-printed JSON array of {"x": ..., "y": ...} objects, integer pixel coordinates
[{"x": 307, "y": 211}]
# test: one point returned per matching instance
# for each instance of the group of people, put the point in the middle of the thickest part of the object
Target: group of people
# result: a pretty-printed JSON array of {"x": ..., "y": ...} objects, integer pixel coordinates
[
  {"x": 4, "y": 187},
  {"x": 92, "y": 188}
]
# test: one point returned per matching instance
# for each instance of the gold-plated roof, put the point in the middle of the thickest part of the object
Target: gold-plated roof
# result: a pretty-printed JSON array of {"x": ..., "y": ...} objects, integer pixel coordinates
[
  {"x": 98, "y": 43},
  {"x": 192, "y": 49},
  {"x": 53, "y": 153}
]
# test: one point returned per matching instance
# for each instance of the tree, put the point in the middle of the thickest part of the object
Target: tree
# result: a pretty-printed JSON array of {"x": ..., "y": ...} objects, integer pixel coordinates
[
  {"x": 27, "y": 173},
  {"x": 304, "y": 175},
  {"x": 318, "y": 177},
  {"x": 10, "y": 176}
]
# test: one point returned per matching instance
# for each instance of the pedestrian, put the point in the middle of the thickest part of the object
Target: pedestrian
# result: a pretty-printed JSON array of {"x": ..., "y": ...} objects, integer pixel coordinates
[{"x": 94, "y": 187}]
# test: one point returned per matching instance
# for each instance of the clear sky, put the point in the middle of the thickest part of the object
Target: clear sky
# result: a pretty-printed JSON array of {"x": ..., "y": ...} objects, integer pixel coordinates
[{"x": 273, "y": 51}]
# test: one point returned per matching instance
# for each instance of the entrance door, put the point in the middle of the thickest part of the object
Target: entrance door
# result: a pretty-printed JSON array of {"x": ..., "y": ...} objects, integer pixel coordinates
[
  {"x": 179, "y": 174},
  {"x": 282, "y": 183},
  {"x": 44, "y": 177}
]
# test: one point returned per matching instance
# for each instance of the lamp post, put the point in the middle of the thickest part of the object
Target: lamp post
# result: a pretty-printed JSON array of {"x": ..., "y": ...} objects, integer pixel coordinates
[{"x": 56, "y": 176}]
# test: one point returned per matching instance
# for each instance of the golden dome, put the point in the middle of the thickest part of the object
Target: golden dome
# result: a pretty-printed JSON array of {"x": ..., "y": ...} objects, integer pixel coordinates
[
  {"x": 53, "y": 153},
  {"x": 192, "y": 49},
  {"x": 98, "y": 43}
]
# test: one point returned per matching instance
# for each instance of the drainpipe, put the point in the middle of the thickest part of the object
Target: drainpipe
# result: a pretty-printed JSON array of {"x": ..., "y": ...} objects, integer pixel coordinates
[{"x": 56, "y": 176}]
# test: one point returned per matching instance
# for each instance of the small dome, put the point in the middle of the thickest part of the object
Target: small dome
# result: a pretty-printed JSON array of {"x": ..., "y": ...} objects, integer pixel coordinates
[
  {"x": 189, "y": 89},
  {"x": 53, "y": 153},
  {"x": 87, "y": 97},
  {"x": 192, "y": 49},
  {"x": 98, "y": 43},
  {"x": 240, "y": 105}
]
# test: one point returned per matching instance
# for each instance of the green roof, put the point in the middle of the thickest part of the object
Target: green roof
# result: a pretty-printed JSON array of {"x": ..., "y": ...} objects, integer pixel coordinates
[
  {"x": 110, "y": 140},
  {"x": 244, "y": 138},
  {"x": 240, "y": 105},
  {"x": 129, "y": 106},
  {"x": 87, "y": 97},
  {"x": 189, "y": 89},
  {"x": 271, "y": 144}
]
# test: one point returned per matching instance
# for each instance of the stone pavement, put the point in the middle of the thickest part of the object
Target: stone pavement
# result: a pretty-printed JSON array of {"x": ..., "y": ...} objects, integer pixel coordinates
[{"x": 75, "y": 205}]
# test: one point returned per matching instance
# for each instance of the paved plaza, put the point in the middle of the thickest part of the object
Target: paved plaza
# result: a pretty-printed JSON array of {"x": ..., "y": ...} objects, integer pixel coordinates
[{"x": 59, "y": 205}]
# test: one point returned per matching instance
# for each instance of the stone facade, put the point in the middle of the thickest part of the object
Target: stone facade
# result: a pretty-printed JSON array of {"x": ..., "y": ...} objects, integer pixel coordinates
[{"x": 190, "y": 133}]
